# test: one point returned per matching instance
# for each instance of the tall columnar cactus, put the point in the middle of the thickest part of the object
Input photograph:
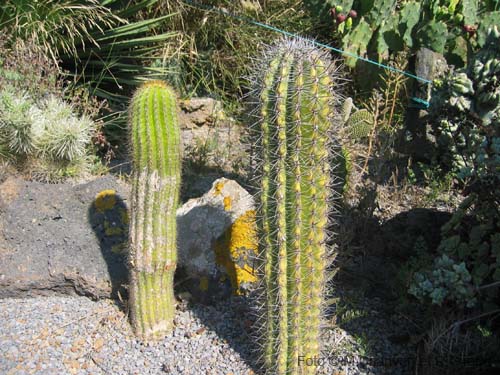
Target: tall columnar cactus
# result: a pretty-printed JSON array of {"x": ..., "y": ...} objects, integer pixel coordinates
[
  {"x": 155, "y": 141},
  {"x": 294, "y": 108}
]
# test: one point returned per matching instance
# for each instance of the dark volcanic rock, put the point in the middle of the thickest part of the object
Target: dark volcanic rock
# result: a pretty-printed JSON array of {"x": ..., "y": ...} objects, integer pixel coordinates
[{"x": 54, "y": 239}]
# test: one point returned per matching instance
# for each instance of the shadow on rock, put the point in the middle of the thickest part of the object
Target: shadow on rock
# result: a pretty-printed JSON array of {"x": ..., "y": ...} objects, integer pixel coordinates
[{"x": 108, "y": 216}]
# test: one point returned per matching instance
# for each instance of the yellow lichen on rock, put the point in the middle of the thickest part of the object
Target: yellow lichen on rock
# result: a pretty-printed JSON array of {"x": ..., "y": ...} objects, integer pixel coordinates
[
  {"x": 236, "y": 250},
  {"x": 111, "y": 229},
  {"x": 124, "y": 216},
  {"x": 227, "y": 203},
  {"x": 218, "y": 188},
  {"x": 204, "y": 283},
  {"x": 105, "y": 200}
]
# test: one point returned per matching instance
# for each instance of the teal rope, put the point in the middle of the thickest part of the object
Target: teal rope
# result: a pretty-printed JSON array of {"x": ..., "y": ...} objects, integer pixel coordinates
[{"x": 287, "y": 33}]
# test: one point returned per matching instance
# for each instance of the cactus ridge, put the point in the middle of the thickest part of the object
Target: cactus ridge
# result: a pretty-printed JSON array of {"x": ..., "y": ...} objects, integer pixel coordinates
[
  {"x": 155, "y": 146},
  {"x": 293, "y": 146}
]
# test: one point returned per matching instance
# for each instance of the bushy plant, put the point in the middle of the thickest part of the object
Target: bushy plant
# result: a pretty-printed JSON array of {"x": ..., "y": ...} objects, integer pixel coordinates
[
  {"x": 59, "y": 134},
  {"x": 466, "y": 106},
  {"x": 48, "y": 137},
  {"x": 446, "y": 281},
  {"x": 217, "y": 49},
  {"x": 384, "y": 27},
  {"x": 15, "y": 123},
  {"x": 96, "y": 42}
]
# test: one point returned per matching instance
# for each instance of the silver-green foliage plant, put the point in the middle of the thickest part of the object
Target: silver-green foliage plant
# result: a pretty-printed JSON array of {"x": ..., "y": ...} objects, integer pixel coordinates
[
  {"x": 447, "y": 281},
  {"x": 295, "y": 93},
  {"x": 47, "y": 136},
  {"x": 468, "y": 270},
  {"x": 16, "y": 133},
  {"x": 60, "y": 135},
  {"x": 467, "y": 110},
  {"x": 467, "y": 105}
]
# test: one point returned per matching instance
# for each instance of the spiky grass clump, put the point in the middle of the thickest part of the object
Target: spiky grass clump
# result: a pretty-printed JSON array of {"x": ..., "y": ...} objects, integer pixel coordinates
[
  {"x": 156, "y": 165},
  {"x": 60, "y": 135},
  {"x": 296, "y": 92},
  {"x": 16, "y": 133}
]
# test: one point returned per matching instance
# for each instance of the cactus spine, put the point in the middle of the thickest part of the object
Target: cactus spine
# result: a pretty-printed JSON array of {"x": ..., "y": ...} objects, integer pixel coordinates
[
  {"x": 294, "y": 107},
  {"x": 155, "y": 140}
]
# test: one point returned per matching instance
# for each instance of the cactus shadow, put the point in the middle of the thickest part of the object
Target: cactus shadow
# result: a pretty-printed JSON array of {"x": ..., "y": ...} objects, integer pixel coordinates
[
  {"x": 370, "y": 288},
  {"x": 108, "y": 216},
  {"x": 231, "y": 319}
]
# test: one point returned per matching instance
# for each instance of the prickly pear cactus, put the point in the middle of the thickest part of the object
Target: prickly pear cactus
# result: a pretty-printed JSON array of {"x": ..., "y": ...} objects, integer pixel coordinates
[
  {"x": 385, "y": 27},
  {"x": 295, "y": 113},
  {"x": 360, "y": 124},
  {"x": 155, "y": 141},
  {"x": 467, "y": 108}
]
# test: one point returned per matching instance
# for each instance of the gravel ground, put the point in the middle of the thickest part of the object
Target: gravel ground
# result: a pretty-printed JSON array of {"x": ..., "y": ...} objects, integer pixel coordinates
[{"x": 75, "y": 335}]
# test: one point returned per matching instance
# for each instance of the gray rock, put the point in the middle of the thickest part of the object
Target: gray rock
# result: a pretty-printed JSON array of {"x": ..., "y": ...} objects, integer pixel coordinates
[
  {"x": 197, "y": 112},
  {"x": 53, "y": 240},
  {"x": 418, "y": 139},
  {"x": 66, "y": 239},
  {"x": 429, "y": 64},
  {"x": 201, "y": 221}
]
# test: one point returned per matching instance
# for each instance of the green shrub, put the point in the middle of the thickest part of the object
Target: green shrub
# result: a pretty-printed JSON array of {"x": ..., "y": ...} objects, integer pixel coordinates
[
  {"x": 466, "y": 109},
  {"x": 382, "y": 28}
]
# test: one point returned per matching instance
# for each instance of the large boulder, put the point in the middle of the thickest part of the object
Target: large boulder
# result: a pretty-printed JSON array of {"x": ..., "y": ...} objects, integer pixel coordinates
[
  {"x": 217, "y": 242},
  {"x": 67, "y": 239},
  {"x": 53, "y": 240}
]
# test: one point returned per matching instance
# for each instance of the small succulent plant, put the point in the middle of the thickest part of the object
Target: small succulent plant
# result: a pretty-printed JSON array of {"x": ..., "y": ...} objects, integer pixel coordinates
[
  {"x": 467, "y": 110},
  {"x": 60, "y": 135},
  {"x": 16, "y": 133},
  {"x": 45, "y": 138}
]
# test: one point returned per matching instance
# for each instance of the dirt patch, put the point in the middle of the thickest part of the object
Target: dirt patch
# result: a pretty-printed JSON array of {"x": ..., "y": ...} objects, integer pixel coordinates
[{"x": 9, "y": 190}]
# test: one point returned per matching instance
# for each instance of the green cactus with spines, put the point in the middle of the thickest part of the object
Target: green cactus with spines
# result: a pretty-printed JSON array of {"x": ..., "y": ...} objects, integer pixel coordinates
[
  {"x": 295, "y": 111},
  {"x": 156, "y": 161}
]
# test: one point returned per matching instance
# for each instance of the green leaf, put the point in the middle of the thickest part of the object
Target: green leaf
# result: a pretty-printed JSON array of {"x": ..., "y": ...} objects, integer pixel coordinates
[
  {"x": 382, "y": 10},
  {"x": 463, "y": 250},
  {"x": 457, "y": 52},
  {"x": 476, "y": 235},
  {"x": 487, "y": 21},
  {"x": 409, "y": 16},
  {"x": 433, "y": 36},
  {"x": 449, "y": 245},
  {"x": 356, "y": 42},
  {"x": 480, "y": 271},
  {"x": 469, "y": 10}
]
